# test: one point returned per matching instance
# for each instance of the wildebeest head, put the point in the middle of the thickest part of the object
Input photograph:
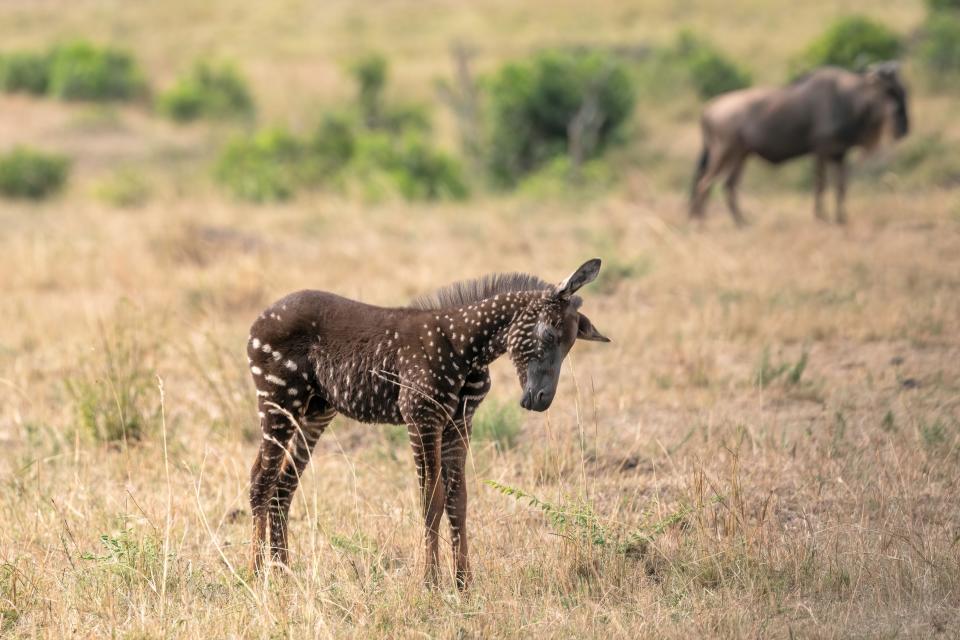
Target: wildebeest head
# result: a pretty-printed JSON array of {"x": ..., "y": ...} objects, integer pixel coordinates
[
  {"x": 886, "y": 77},
  {"x": 543, "y": 334}
]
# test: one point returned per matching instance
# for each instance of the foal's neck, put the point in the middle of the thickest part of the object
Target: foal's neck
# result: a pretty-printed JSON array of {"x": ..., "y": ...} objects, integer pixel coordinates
[{"x": 478, "y": 331}]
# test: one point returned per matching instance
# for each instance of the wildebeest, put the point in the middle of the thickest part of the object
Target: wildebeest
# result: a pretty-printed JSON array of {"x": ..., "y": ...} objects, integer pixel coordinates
[
  {"x": 314, "y": 354},
  {"x": 825, "y": 113}
]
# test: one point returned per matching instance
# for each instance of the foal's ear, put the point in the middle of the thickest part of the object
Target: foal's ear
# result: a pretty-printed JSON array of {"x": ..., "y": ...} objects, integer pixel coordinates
[
  {"x": 585, "y": 274},
  {"x": 586, "y": 330}
]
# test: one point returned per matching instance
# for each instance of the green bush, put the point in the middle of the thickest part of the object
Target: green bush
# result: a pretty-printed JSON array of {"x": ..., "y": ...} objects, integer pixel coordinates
[
  {"x": 25, "y": 173},
  {"x": 82, "y": 71},
  {"x": 935, "y": 6},
  {"x": 422, "y": 172},
  {"x": 533, "y": 103},
  {"x": 853, "y": 42},
  {"x": 370, "y": 74},
  {"x": 408, "y": 165},
  {"x": 208, "y": 91},
  {"x": 333, "y": 143},
  {"x": 710, "y": 72},
  {"x": 940, "y": 46},
  {"x": 264, "y": 167},
  {"x": 25, "y": 71}
]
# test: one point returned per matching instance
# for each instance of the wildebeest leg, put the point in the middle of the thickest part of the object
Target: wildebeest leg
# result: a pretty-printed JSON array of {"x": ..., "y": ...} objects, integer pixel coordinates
[
  {"x": 730, "y": 187},
  {"x": 840, "y": 173},
  {"x": 456, "y": 443},
  {"x": 263, "y": 479},
  {"x": 718, "y": 159},
  {"x": 425, "y": 441},
  {"x": 299, "y": 449},
  {"x": 702, "y": 162},
  {"x": 819, "y": 185}
]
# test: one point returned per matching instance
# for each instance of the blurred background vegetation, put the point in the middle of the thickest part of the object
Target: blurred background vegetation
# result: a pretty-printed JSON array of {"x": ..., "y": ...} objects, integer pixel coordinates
[{"x": 266, "y": 104}]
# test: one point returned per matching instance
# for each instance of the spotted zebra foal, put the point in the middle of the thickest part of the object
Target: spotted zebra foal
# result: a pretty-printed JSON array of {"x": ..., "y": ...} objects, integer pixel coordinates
[{"x": 314, "y": 354}]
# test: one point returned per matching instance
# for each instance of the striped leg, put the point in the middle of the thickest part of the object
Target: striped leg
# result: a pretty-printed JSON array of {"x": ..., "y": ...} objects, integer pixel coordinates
[
  {"x": 456, "y": 442},
  {"x": 425, "y": 441},
  {"x": 263, "y": 479},
  {"x": 299, "y": 450}
]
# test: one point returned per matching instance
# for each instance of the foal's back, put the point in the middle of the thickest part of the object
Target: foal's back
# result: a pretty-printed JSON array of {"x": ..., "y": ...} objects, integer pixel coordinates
[{"x": 312, "y": 351}]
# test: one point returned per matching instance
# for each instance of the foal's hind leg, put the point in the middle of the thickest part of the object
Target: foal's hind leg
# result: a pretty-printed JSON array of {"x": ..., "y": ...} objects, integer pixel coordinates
[
  {"x": 295, "y": 461},
  {"x": 263, "y": 478}
]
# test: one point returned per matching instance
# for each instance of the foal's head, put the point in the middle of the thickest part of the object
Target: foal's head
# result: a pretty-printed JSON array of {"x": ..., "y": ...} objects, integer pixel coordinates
[{"x": 544, "y": 333}]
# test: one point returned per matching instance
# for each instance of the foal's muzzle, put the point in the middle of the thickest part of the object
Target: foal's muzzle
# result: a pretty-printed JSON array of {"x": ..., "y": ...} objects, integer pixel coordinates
[{"x": 539, "y": 400}]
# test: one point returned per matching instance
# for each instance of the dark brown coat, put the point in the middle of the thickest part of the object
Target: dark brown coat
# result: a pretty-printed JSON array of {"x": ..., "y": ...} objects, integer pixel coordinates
[{"x": 315, "y": 354}]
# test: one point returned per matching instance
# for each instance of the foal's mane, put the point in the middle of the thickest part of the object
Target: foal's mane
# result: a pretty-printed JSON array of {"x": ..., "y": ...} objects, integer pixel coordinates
[{"x": 467, "y": 292}]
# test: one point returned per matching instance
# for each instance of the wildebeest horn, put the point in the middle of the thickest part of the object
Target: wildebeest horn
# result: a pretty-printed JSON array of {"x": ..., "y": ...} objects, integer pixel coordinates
[{"x": 888, "y": 68}]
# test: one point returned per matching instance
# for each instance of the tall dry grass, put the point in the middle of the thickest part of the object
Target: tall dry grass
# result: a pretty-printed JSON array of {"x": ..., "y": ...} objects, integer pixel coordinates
[{"x": 768, "y": 447}]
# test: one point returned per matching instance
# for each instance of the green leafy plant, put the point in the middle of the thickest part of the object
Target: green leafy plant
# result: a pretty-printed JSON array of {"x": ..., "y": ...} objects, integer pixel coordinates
[
  {"x": 791, "y": 372},
  {"x": 581, "y": 523},
  {"x": 263, "y": 167},
  {"x": 710, "y": 72},
  {"x": 939, "y": 48},
  {"x": 853, "y": 42},
  {"x": 209, "y": 90},
  {"x": 534, "y": 102},
  {"x": 370, "y": 74},
  {"x": 26, "y": 173},
  {"x": 25, "y": 71},
  {"x": 942, "y": 5},
  {"x": 83, "y": 71}
]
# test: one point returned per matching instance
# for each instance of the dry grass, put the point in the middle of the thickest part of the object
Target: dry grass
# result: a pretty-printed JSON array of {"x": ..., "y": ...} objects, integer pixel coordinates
[{"x": 769, "y": 447}]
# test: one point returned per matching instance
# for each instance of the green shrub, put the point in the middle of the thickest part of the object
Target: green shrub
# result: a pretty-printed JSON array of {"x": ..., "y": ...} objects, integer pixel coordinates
[
  {"x": 25, "y": 173},
  {"x": 370, "y": 74},
  {"x": 208, "y": 91},
  {"x": 710, "y": 72},
  {"x": 82, "y": 71},
  {"x": 25, "y": 71},
  {"x": 533, "y": 103},
  {"x": 263, "y": 167},
  {"x": 934, "y": 6},
  {"x": 422, "y": 172},
  {"x": 333, "y": 143},
  {"x": 408, "y": 165},
  {"x": 852, "y": 42},
  {"x": 940, "y": 46}
]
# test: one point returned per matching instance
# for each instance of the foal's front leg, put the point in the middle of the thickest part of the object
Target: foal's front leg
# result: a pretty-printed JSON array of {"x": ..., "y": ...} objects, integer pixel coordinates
[
  {"x": 425, "y": 441},
  {"x": 456, "y": 440}
]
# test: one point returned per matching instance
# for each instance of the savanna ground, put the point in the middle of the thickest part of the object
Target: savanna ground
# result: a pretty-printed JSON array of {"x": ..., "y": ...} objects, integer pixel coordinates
[{"x": 768, "y": 448}]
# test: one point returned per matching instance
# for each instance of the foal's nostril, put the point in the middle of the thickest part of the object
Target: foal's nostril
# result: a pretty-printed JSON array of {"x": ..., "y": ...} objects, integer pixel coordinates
[{"x": 540, "y": 395}]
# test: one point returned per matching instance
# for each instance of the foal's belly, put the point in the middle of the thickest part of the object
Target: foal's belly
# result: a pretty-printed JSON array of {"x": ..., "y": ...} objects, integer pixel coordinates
[{"x": 362, "y": 394}]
